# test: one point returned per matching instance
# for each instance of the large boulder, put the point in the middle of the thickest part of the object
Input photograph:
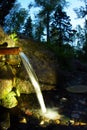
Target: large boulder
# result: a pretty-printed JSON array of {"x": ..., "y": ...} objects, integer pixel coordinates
[
  {"x": 14, "y": 79},
  {"x": 7, "y": 96},
  {"x": 43, "y": 61}
]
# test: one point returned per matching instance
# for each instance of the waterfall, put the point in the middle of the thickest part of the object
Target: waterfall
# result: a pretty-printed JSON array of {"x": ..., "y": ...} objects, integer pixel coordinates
[{"x": 34, "y": 80}]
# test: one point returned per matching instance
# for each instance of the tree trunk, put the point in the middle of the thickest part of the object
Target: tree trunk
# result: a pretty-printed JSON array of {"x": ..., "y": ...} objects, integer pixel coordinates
[{"x": 48, "y": 20}]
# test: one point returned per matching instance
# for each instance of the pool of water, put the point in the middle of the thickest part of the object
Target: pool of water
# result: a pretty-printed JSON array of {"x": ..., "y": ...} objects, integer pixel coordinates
[{"x": 71, "y": 107}]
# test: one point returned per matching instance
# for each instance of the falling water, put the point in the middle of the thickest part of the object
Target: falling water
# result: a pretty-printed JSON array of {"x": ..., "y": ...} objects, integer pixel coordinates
[{"x": 34, "y": 80}]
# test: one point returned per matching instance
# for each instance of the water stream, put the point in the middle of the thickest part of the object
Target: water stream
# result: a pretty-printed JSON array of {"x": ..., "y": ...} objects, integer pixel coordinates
[{"x": 34, "y": 80}]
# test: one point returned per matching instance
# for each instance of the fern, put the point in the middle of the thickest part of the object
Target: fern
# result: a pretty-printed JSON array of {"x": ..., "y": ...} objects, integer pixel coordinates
[{"x": 14, "y": 37}]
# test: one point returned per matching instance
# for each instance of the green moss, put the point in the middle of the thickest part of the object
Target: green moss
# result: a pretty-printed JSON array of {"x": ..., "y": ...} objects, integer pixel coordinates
[{"x": 9, "y": 101}]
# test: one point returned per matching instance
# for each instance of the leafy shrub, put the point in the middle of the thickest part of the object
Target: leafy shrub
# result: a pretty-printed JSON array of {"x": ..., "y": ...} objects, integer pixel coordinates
[{"x": 65, "y": 53}]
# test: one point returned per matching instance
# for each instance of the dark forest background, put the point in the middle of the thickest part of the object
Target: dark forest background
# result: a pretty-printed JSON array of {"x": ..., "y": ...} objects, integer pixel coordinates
[{"x": 51, "y": 26}]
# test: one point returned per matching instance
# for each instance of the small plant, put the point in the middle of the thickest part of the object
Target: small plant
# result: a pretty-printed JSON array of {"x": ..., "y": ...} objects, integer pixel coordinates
[{"x": 14, "y": 37}]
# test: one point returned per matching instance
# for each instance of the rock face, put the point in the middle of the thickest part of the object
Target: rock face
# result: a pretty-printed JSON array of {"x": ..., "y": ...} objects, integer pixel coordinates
[
  {"x": 6, "y": 77},
  {"x": 7, "y": 96},
  {"x": 44, "y": 64},
  {"x": 42, "y": 60},
  {"x": 14, "y": 79}
]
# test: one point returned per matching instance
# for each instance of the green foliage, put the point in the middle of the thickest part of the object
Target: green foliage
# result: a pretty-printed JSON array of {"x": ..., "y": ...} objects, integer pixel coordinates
[
  {"x": 39, "y": 31},
  {"x": 10, "y": 100},
  {"x": 82, "y": 32},
  {"x": 45, "y": 14},
  {"x": 14, "y": 22},
  {"x": 65, "y": 53},
  {"x": 28, "y": 28},
  {"x": 14, "y": 37},
  {"x": 80, "y": 37},
  {"x": 5, "y": 7},
  {"x": 61, "y": 30},
  {"x": 82, "y": 11}
]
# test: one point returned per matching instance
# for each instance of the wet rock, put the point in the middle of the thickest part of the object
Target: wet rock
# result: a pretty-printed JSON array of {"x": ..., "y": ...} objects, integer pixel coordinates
[
  {"x": 4, "y": 120},
  {"x": 5, "y": 87},
  {"x": 13, "y": 76},
  {"x": 6, "y": 81},
  {"x": 44, "y": 62}
]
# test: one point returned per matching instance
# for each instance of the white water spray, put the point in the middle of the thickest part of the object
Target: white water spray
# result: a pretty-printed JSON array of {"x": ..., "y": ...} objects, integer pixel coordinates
[{"x": 34, "y": 80}]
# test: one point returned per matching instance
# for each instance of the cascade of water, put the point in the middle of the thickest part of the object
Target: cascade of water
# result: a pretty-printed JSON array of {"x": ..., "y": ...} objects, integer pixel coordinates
[{"x": 34, "y": 80}]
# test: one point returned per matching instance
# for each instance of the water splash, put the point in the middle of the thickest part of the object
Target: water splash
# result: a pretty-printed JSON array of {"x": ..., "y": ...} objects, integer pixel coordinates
[{"x": 34, "y": 80}]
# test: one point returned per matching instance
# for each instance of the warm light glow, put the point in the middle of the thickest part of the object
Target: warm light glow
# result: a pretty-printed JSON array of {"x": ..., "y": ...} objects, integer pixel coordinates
[{"x": 52, "y": 114}]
